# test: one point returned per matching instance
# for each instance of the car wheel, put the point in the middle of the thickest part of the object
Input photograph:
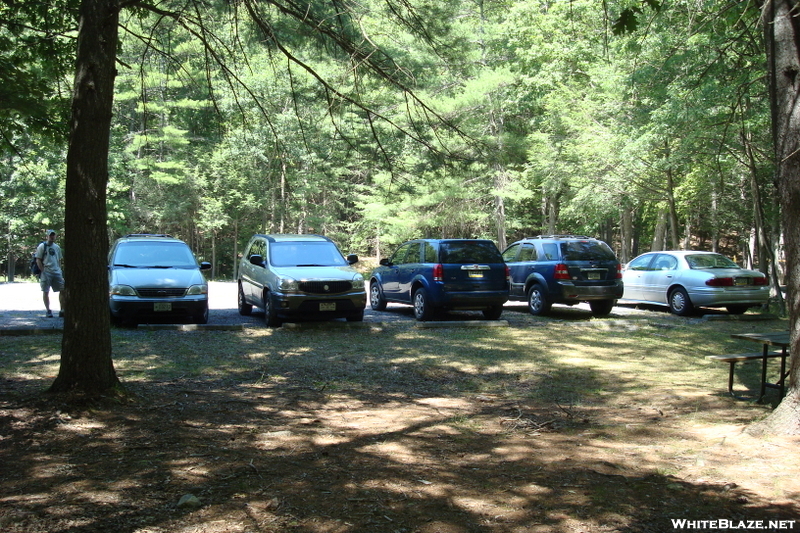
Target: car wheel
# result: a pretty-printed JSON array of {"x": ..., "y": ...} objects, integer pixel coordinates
[
  {"x": 737, "y": 309},
  {"x": 493, "y": 312},
  {"x": 422, "y": 307},
  {"x": 376, "y": 299},
  {"x": 270, "y": 313},
  {"x": 202, "y": 318},
  {"x": 537, "y": 301},
  {"x": 679, "y": 302},
  {"x": 602, "y": 307},
  {"x": 244, "y": 308},
  {"x": 357, "y": 317}
]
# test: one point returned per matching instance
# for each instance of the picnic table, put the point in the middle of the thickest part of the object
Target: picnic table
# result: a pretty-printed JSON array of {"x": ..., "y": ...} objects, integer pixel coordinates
[{"x": 768, "y": 341}]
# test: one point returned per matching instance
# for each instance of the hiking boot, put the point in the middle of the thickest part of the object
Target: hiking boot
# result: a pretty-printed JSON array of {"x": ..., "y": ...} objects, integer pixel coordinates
[
  {"x": 49, "y": 314},
  {"x": 61, "y": 314}
]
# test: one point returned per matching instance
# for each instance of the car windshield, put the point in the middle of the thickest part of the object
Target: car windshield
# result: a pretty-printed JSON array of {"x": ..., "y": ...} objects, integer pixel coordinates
[
  {"x": 154, "y": 255},
  {"x": 710, "y": 261},
  {"x": 586, "y": 251},
  {"x": 470, "y": 252},
  {"x": 299, "y": 254}
]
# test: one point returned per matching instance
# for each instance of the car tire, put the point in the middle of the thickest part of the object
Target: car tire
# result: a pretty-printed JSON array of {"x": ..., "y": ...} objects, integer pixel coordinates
[
  {"x": 270, "y": 313},
  {"x": 737, "y": 309},
  {"x": 376, "y": 300},
  {"x": 537, "y": 301},
  {"x": 601, "y": 307},
  {"x": 245, "y": 309},
  {"x": 679, "y": 302},
  {"x": 356, "y": 317},
  {"x": 422, "y": 307}
]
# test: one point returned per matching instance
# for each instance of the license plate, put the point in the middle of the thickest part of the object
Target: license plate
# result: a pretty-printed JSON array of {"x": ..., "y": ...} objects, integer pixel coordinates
[
  {"x": 593, "y": 275},
  {"x": 475, "y": 274},
  {"x": 327, "y": 306},
  {"x": 742, "y": 281},
  {"x": 162, "y": 306}
]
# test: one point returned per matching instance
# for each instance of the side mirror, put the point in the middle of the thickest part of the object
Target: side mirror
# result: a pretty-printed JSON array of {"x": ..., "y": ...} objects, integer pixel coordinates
[
  {"x": 205, "y": 265},
  {"x": 256, "y": 260},
  {"x": 385, "y": 262},
  {"x": 352, "y": 259}
]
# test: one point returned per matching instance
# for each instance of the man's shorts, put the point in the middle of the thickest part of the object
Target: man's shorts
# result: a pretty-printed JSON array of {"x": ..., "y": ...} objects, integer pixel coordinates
[{"x": 49, "y": 281}]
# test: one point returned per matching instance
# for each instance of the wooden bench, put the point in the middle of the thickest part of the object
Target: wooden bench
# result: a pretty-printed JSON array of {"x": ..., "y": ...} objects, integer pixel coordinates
[{"x": 734, "y": 358}]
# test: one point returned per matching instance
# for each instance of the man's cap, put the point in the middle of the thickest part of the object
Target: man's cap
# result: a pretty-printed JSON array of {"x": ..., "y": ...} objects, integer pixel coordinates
[{"x": 50, "y": 232}]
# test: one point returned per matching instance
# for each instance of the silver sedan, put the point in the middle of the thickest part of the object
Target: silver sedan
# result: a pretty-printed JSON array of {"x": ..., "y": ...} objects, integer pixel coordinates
[{"x": 684, "y": 280}]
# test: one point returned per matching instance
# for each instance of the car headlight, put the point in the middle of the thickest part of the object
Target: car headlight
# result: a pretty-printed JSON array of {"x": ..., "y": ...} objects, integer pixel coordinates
[
  {"x": 288, "y": 285},
  {"x": 358, "y": 282},
  {"x": 121, "y": 290},
  {"x": 196, "y": 290}
]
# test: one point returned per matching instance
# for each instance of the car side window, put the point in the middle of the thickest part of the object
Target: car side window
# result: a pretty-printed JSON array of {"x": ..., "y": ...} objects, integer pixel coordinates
[
  {"x": 413, "y": 253},
  {"x": 399, "y": 256},
  {"x": 428, "y": 253},
  {"x": 257, "y": 248},
  {"x": 640, "y": 263},
  {"x": 665, "y": 262},
  {"x": 550, "y": 251},
  {"x": 528, "y": 253},
  {"x": 510, "y": 255}
]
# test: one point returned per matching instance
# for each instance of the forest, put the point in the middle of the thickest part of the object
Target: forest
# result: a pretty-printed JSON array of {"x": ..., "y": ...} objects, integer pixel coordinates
[{"x": 511, "y": 118}]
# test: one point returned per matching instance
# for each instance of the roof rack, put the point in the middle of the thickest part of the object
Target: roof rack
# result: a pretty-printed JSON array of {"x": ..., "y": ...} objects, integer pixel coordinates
[
  {"x": 560, "y": 237},
  {"x": 147, "y": 235}
]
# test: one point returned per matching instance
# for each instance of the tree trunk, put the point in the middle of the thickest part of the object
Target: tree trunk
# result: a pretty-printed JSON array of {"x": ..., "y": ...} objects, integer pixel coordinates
[
  {"x": 86, "y": 364},
  {"x": 782, "y": 32}
]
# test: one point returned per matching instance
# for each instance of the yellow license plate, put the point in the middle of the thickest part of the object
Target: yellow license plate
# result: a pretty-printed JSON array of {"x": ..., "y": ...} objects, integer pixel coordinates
[{"x": 475, "y": 274}]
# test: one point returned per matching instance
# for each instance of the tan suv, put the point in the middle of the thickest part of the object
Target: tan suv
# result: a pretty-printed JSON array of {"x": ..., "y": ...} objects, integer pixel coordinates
[{"x": 299, "y": 276}]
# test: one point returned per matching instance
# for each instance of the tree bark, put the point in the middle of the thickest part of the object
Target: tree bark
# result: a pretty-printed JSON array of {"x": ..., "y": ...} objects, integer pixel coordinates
[
  {"x": 782, "y": 35},
  {"x": 86, "y": 365}
]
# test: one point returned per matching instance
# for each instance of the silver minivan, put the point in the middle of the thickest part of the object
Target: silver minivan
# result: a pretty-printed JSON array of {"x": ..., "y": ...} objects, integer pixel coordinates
[{"x": 293, "y": 277}]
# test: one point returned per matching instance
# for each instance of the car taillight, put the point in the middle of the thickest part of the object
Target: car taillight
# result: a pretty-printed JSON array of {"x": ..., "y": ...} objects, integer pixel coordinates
[
  {"x": 438, "y": 272},
  {"x": 508, "y": 275},
  {"x": 562, "y": 272},
  {"x": 619, "y": 272},
  {"x": 760, "y": 281},
  {"x": 720, "y": 282}
]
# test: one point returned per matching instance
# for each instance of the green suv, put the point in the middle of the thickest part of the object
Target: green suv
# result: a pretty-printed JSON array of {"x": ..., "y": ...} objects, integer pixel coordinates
[{"x": 296, "y": 277}]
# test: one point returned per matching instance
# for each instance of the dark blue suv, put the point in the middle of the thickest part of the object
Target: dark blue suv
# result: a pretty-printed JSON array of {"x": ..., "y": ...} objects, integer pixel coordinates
[
  {"x": 564, "y": 269},
  {"x": 433, "y": 274}
]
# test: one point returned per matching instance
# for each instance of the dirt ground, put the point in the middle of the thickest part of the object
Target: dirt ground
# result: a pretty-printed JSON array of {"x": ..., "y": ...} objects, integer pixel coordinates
[{"x": 297, "y": 451}]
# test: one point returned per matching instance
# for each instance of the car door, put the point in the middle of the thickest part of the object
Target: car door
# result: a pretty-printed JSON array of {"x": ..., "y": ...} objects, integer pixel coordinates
[
  {"x": 390, "y": 281},
  {"x": 408, "y": 270},
  {"x": 249, "y": 272},
  {"x": 659, "y": 277},
  {"x": 519, "y": 257},
  {"x": 634, "y": 277}
]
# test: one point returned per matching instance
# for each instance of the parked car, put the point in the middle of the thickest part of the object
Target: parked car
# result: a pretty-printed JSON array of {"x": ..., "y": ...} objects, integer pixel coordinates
[
  {"x": 434, "y": 274},
  {"x": 684, "y": 280},
  {"x": 564, "y": 269},
  {"x": 156, "y": 277},
  {"x": 294, "y": 277}
]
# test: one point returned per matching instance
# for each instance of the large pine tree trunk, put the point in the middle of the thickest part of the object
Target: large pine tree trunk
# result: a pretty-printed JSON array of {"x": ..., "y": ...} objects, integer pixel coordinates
[
  {"x": 86, "y": 364},
  {"x": 782, "y": 31}
]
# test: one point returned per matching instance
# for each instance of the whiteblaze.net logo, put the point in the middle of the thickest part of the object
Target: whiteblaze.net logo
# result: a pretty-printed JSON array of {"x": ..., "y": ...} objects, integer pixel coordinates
[{"x": 741, "y": 525}]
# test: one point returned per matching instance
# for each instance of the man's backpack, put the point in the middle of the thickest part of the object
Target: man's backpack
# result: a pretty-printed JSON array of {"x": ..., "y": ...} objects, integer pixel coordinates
[{"x": 35, "y": 270}]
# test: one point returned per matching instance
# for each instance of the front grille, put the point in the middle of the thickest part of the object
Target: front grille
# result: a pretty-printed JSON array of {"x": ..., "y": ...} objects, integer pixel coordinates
[
  {"x": 161, "y": 293},
  {"x": 325, "y": 287}
]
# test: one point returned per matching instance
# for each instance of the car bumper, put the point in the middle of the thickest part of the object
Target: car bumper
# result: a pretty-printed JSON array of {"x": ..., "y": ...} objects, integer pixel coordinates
[
  {"x": 133, "y": 307},
  {"x": 296, "y": 306},
  {"x": 469, "y": 300},
  {"x": 578, "y": 293},
  {"x": 720, "y": 297}
]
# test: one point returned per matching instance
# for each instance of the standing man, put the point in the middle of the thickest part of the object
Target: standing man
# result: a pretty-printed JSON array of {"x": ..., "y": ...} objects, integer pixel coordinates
[{"x": 48, "y": 257}]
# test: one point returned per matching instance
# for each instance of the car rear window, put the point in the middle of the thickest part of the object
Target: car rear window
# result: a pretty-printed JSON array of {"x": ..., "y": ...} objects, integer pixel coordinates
[
  {"x": 710, "y": 261},
  {"x": 586, "y": 251},
  {"x": 470, "y": 252}
]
